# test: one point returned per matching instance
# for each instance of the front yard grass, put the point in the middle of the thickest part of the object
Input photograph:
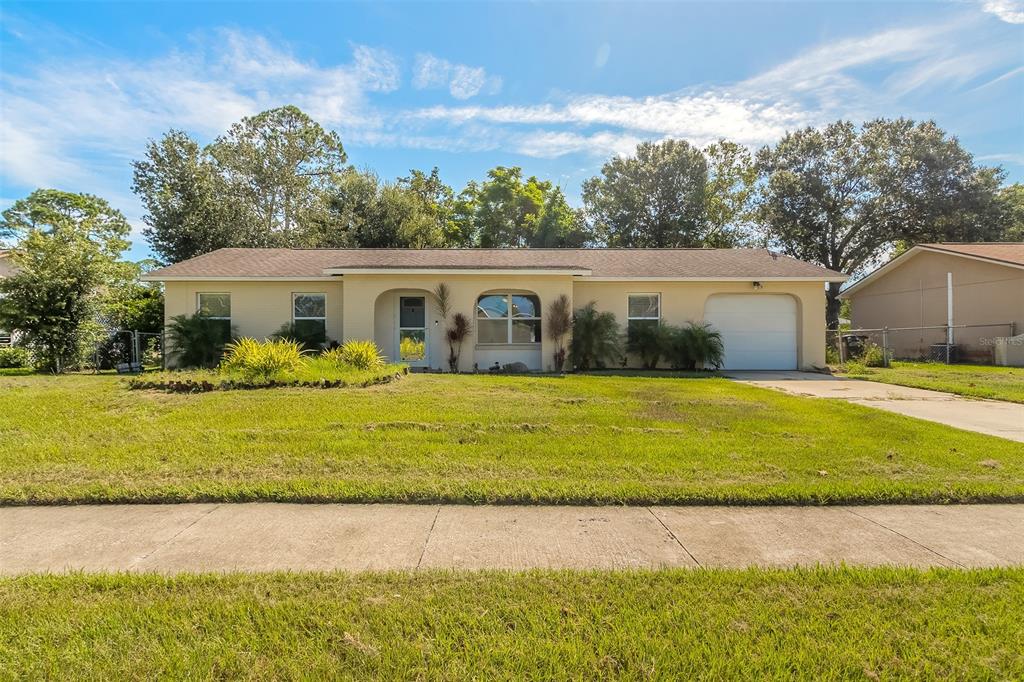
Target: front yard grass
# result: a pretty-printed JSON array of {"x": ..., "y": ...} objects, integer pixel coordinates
[
  {"x": 975, "y": 381},
  {"x": 828, "y": 623},
  {"x": 472, "y": 439}
]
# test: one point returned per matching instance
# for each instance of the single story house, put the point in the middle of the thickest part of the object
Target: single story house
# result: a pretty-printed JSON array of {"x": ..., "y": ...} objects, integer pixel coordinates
[
  {"x": 769, "y": 308},
  {"x": 978, "y": 288}
]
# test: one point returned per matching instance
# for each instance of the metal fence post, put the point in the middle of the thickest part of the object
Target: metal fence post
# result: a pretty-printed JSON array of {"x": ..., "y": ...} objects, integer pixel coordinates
[{"x": 885, "y": 346}]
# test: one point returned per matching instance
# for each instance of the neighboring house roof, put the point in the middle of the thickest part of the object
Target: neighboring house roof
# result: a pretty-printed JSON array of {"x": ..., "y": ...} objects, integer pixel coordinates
[
  {"x": 1010, "y": 254},
  {"x": 592, "y": 263}
]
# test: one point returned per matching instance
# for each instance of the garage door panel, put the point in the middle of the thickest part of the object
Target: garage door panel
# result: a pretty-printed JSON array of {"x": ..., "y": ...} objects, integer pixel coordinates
[{"x": 758, "y": 331}]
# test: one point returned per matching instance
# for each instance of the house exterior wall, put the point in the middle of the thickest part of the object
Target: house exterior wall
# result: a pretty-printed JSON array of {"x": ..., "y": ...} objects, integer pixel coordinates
[
  {"x": 258, "y": 308},
  {"x": 914, "y": 295},
  {"x": 369, "y": 308},
  {"x": 683, "y": 302}
]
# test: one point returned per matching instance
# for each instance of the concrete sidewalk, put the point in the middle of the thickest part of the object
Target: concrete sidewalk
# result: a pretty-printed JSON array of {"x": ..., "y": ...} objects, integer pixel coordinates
[
  {"x": 265, "y": 537},
  {"x": 992, "y": 417}
]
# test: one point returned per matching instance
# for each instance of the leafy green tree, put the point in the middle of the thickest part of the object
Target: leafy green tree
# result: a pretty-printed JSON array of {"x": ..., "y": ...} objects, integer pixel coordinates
[
  {"x": 438, "y": 201},
  {"x": 1012, "y": 199},
  {"x": 134, "y": 305},
  {"x": 67, "y": 255},
  {"x": 728, "y": 194},
  {"x": 268, "y": 181},
  {"x": 366, "y": 213},
  {"x": 653, "y": 199},
  {"x": 280, "y": 165},
  {"x": 508, "y": 211},
  {"x": 189, "y": 210},
  {"x": 843, "y": 196}
]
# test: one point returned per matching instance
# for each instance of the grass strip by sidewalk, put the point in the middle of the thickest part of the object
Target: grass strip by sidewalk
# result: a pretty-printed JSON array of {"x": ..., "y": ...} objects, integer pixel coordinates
[
  {"x": 841, "y": 623},
  {"x": 472, "y": 439},
  {"x": 973, "y": 381}
]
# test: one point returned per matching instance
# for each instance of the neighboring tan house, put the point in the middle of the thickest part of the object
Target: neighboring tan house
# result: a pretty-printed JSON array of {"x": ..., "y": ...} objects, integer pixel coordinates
[
  {"x": 769, "y": 308},
  {"x": 6, "y": 268},
  {"x": 980, "y": 285}
]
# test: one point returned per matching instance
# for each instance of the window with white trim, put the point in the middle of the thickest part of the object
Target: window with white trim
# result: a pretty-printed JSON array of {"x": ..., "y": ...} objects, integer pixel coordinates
[
  {"x": 643, "y": 310},
  {"x": 216, "y": 306},
  {"x": 309, "y": 317},
  {"x": 508, "y": 318}
]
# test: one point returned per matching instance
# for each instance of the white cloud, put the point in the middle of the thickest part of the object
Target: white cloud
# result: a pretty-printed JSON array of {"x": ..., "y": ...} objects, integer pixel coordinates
[
  {"x": 462, "y": 81},
  {"x": 61, "y": 118},
  {"x": 602, "y": 55},
  {"x": 818, "y": 85},
  {"x": 1010, "y": 11}
]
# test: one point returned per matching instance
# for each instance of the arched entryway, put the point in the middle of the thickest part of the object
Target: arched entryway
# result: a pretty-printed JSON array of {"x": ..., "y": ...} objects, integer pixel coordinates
[{"x": 405, "y": 327}]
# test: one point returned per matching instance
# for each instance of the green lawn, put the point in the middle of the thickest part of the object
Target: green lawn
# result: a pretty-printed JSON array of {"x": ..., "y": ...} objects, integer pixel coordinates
[
  {"x": 976, "y": 381},
  {"x": 578, "y": 439},
  {"x": 679, "y": 624}
]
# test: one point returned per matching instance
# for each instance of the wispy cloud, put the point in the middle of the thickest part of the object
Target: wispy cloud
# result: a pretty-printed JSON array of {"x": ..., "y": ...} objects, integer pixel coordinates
[
  {"x": 1010, "y": 11},
  {"x": 58, "y": 118},
  {"x": 461, "y": 81}
]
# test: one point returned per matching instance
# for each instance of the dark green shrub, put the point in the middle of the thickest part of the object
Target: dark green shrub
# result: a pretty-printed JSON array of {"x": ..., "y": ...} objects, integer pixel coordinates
[
  {"x": 648, "y": 342},
  {"x": 694, "y": 346},
  {"x": 15, "y": 357},
  {"x": 309, "y": 334},
  {"x": 197, "y": 340},
  {"x": 596, "y": 340}
]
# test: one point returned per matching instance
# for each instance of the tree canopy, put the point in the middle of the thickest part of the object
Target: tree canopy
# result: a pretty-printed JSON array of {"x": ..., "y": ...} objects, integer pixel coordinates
[
  {"x": 842, "y": 195},
  {"x": 68, "y": 250}
]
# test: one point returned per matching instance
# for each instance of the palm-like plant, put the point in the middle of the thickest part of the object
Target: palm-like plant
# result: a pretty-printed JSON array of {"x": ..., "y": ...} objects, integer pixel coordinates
[
  {"x": 648, "y": 342},
  {"x": 557, "y": 325},
  {"x": 197, "y": 340},
  {"x": 695, "y": 346},
  {"x": 595, "y": 338}
]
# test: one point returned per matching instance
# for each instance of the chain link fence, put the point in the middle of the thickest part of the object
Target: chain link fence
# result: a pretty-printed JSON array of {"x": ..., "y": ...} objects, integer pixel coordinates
[
  {"x": 129, "y": 351},
  {"x": 972, "y": 343}
]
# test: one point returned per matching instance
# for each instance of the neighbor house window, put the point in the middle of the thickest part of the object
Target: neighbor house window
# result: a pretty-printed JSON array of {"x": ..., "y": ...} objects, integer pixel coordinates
[
  {"x": 309, "y": 317},
  {"x": 643, "y": 310},
  {"x": 217, "y": 307},
  {"x": 508, "y": 318}
]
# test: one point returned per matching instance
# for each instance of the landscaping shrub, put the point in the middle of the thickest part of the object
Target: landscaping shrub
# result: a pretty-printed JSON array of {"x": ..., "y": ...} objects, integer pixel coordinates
[
  {"x": 262, "y": 360},
  {"x": 873, "y": 356},
  {"x": 595, "y": 338},
  {"x": 556, "y": 326},
  {"x": 694, "y": 346},
  {"x": 648, "y": 342},
  {"x": 309, "y": 337},
  {"x": 15, "y": 357},
  {"x": 196, "y": 340},
  {"x": 358, "y": 354}
]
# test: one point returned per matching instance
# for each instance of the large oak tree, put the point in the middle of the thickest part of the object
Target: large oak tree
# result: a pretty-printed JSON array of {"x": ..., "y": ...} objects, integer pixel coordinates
[{"x": 844, "y": 196}]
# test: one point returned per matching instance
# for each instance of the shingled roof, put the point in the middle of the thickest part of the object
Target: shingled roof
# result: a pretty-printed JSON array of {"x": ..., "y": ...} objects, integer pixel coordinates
[
  {"x": 1006, "y": 252},
  {"x": 618, "y": 263}
]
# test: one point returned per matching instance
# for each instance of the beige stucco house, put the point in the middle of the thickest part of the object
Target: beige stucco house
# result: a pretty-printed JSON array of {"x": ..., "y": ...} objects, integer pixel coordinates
[
  {"x": 769, "y": 308},
  {"x": 979, "y": 286}
]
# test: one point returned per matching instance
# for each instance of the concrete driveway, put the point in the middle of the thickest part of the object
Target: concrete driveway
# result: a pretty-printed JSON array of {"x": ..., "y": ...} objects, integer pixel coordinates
[
  {"x": 992, "y": 417},
  {"x": 177, "y": 538}
]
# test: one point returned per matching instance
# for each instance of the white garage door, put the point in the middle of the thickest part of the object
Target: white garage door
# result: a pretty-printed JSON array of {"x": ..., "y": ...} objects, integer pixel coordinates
[{"x": 758, "y": 330}]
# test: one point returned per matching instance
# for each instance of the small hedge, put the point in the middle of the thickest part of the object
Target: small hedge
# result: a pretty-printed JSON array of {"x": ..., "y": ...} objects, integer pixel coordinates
[
  {"x": 205, "y": 381},
  {"x": 280, "y": 363},
  {"x": 202, "y": 382}
]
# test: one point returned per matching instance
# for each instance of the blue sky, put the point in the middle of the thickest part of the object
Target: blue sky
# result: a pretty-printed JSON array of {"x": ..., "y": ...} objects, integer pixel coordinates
[{"x": 554, "y": 88}]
